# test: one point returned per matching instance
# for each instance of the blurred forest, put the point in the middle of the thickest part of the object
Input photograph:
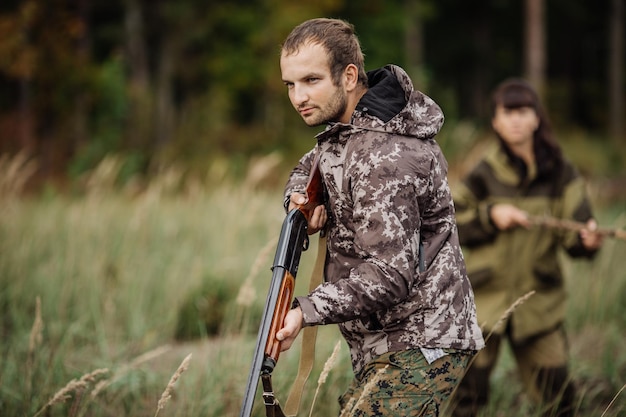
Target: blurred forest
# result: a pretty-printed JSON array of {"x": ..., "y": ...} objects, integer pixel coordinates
[{"x": 197, "y": 84}]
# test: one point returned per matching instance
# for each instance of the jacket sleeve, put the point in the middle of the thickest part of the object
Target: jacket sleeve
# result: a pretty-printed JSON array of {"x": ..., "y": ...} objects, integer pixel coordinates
[
  {"x": 472, "y": 211},
  {"x": 299, "y": 176},
  {"x": 576, "y": 207}
]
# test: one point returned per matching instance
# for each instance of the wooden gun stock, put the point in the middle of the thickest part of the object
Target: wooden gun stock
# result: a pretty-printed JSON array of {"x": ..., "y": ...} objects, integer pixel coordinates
[
  {"x": 285, "y": 295},
  {"x": 292, "y": 241},
  {"x": 314, "y": 191}
]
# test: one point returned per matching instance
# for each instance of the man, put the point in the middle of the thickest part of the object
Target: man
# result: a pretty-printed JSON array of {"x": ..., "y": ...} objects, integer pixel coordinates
[{"x": 395, "y": 279}]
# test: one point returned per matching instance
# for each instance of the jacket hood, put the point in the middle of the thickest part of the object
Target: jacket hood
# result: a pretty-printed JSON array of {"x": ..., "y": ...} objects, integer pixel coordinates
[{"x": 392, "y": 105}]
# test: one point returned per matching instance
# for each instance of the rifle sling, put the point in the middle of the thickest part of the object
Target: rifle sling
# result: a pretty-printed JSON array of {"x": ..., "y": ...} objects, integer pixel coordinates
[
  {"x": 307, "y": 355},
  {"x": 272, "y": 408}
]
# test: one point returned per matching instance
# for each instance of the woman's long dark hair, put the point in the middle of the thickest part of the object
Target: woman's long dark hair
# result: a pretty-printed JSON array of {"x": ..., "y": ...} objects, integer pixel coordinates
[{"x": 515, "y": 93}]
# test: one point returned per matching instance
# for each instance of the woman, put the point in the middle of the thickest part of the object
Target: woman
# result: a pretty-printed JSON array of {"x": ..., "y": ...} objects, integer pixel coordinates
[{"x": 522, "y": 176}]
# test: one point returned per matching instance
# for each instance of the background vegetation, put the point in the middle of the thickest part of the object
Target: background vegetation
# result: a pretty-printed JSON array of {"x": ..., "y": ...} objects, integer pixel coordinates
[
  {"x": 197, "y": 83},
  {"x": 143, "y": 148},
  {"x": 93, "y": 290}
]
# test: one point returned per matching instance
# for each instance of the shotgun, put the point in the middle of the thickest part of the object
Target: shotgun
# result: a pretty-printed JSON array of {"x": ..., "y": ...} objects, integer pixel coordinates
[{"x": 292, "y": 242}]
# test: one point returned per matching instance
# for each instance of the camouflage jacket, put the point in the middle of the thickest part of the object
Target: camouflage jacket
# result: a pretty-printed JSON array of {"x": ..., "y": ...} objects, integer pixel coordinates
[
  {"x": 506, "y": 265},
  {"x": 388, "y": 194}
]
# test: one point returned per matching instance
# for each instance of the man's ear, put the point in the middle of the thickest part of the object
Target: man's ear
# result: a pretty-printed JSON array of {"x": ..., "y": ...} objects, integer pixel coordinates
[{"x": 351, "y": 77}]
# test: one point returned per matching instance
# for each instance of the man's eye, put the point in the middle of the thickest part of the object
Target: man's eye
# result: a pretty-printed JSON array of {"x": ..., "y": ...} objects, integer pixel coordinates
[{"x": 312, "y": 80}]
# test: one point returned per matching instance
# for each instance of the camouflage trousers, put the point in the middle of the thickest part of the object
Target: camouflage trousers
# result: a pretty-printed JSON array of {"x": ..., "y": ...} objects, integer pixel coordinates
[{"x": 404, "y": 384}]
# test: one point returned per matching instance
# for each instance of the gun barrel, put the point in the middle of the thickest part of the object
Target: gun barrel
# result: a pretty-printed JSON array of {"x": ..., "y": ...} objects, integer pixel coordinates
[{"x": 278, "y": 302}]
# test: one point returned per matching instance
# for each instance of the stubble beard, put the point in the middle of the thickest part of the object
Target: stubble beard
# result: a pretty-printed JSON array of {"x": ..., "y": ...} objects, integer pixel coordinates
[{"x": 332, "y": 112}]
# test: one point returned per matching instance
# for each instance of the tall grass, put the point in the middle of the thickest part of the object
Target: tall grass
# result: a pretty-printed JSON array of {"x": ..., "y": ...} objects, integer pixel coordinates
[
  {"x": 596, "y": 327},
  {"x": 96, "y": 282}
]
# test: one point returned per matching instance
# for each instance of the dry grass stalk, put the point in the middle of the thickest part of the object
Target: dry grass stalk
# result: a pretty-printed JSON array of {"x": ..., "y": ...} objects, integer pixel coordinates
[
  {"x": 34, "y": 341},
  {"x": 167, "y": 394},
  {"x": 15, "y": 172},
  {"x": 101, "y": 180},
  {"x": 366, "y": 392},
  {"x": 246, "y": 294},
  {"x": 148, "y": 356},
  {"x": 613, "y": 400},
  {"x": 35, "y": 338},
  {"x": 501, "y": 321},
  {"x": 168, "y": 181},
  {"x": 72, "y": 387},
  {"x": 124, "y": 369},
  {"x": 496, "y": 326},
  {"x": 262, "y": 170},
  {"x": 330, "y": 363},
  {"x": 510, "y": 311}
]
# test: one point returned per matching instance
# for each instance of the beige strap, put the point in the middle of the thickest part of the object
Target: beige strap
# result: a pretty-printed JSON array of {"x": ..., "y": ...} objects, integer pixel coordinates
[{"x": 307, "y": 355}]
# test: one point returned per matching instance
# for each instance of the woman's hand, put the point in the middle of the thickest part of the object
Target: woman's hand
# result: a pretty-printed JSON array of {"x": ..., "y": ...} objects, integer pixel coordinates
[
  {"x": 507, "y": 216},
  {"x": 590, "y": 238}
]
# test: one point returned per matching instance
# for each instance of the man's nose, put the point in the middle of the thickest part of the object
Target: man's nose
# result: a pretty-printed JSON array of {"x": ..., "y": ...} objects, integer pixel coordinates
[{"x": 300, "y": 95}]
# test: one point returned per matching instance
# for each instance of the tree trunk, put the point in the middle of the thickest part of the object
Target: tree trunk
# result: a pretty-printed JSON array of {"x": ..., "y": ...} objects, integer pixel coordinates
[
  {"x": 414, "y": 45},
  {"x": 616, "y": 73},
  {"x": 139, "y": 129},
  {"x": 26, "y": 130},
  {"x": 83, "y": 51},
  {"x": 480, "y": 72},
  {"x": 165, "y": 111},
  {"x": 535, "y": 45}
]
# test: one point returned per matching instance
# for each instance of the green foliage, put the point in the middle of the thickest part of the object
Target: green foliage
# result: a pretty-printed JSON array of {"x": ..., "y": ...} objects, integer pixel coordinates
[
  {"x": 203, "y": 311},
  {"x": 188, "y": 81},
  {"x": 107, "y": 120},
  {"x": 605, "y": 292},
  {"x": 594, "y": 155}
]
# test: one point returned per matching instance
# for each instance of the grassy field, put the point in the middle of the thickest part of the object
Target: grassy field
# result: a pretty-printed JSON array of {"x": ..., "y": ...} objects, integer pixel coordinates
[{"x": 92, "y": 289}]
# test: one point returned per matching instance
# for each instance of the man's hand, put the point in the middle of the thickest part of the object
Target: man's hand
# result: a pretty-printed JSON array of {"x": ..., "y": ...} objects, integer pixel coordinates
[
  {"x": 318, "y": 218},
  {"x": 507, "y": 216},
  {"x": 291, "y": 327},
  {"x": 590, "y": 238}
]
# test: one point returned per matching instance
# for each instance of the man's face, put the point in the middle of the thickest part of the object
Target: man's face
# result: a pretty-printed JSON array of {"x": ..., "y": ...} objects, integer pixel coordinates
[{"x": 307, "y": 76}]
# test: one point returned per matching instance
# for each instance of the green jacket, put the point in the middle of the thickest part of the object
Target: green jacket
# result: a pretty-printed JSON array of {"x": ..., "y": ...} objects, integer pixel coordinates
[{"x": 503, "y": 266}]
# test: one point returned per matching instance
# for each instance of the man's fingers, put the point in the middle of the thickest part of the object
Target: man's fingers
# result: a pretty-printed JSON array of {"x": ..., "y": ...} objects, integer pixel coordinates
[
  {"x": 281, "y": 335},
  {"x": 285, "y": 339},
  {"x": 319, "y": 217},
  {"x": 292, "y": 326},
  {"x": 298, "y": 198}
]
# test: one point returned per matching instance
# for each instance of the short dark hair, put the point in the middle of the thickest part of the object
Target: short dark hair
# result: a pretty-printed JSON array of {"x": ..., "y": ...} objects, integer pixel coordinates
[{"x": 339, "y": 40}]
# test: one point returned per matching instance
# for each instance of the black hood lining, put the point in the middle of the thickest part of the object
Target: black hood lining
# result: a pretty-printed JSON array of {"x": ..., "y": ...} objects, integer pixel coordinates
[{"x": 385, "y": 96}]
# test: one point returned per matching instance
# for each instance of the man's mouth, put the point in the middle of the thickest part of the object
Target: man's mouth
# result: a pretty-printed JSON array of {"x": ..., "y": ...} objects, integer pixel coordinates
[{"x": 305, "y": 111}]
